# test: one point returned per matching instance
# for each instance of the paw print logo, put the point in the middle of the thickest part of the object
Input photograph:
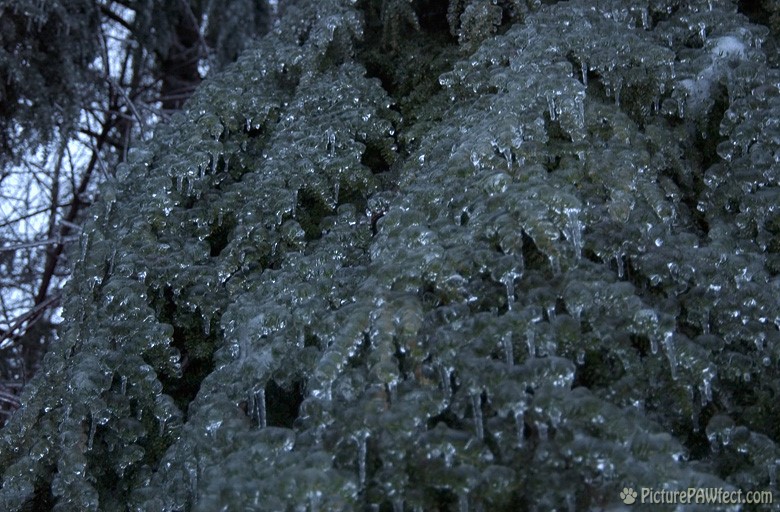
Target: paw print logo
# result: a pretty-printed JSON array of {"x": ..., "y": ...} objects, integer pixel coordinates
[{"x": 628, "y": 495}]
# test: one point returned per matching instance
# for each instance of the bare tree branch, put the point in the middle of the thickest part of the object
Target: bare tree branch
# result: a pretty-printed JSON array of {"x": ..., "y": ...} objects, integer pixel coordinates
[
  {"x": 9, "y": 336},
  {"x": 10, "y": 399},
  {"x": 108, "y": 13},
  {"x": 53, "y": 256}
]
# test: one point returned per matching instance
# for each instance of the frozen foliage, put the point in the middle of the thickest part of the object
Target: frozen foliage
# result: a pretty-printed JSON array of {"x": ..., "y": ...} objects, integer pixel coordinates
[
  {"x": 554, "y": 277},
  {"x": 46, "y": 48}
]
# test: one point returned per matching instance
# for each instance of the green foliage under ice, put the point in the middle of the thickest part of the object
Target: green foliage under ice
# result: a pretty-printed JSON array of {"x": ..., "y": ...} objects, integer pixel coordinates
[{"x": 418, "y": 255}]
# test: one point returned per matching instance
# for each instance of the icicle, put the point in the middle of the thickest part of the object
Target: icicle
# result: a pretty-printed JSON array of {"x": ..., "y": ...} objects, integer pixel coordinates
[
  {"x": 84, "y": 245},
  {"x": 574, "y": 229},
  {"x": 706, "y": 386},
  {"x": 506, "y": 341},
  {"x": 551, "y": 106},
  {"x": 361, "y": 457},
  {"x": 530, "y": 341},
  {"x": 508, "y": 280},
  {"x": 621, "y": 266},
  {"x": 584, "y": 68},
  {"x": 111, "y": 260},
  {"x": 314, "y": 501},
  {"x": 463, "y": 502},
  {"x": 580, "y": 103},
  {"x": 92, "y": 428},
  {"x": 206, "y": 325},
  {"x": 331, "y": 143},
  {"x": 162, "y": 427},
  {"x": 694, "y": 410},
  {"x": 555, "y": 265},
  {"x": 445, "y": 375},
  {"x": 519, "y": 414},
  {"x": 259, "y": 407},
  {"x": 507, "y": 152},
  {"x": 123, "y": 384},
  {"x": 391, "y": 391},
  {"x": 475, "y": 160},
  {"x": 670, "y": 352},
  {"x": 398, "y": 504},
  {"x": 476, "y": 404},
  {"x": 542, "y": 428},
  {"x": 192, "y": 472},
  {"x": 336, "y": 193},
  {"x": 618, "y": 87}
]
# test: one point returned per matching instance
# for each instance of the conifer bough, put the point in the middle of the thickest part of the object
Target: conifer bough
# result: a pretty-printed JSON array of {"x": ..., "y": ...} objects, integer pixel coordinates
[{"x": 476, "y": 256}]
